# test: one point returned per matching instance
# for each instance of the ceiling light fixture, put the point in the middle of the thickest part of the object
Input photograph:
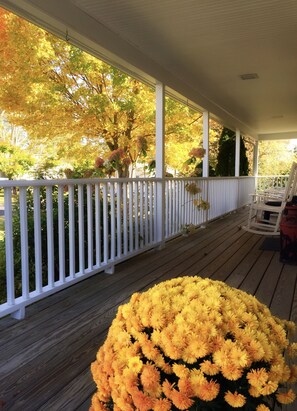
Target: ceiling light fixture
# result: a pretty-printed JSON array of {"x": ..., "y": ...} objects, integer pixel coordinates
[{"x": 249, "y": 76}]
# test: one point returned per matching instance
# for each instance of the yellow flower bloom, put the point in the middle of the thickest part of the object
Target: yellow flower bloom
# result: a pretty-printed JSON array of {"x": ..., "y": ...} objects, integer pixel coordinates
[
  {"x": 239, "y": 357},
  {"x": 255, "y": 350},
  {"x": 207, "y": 367},
  {"x": 292, "y": 350},
  {"x": 158, "y": 319},
  {"x": 293, "y": 374},
  {"x": 269, "y": 388},
  {"x": 262, "y": 407},
  {"x": 254, "y": 391},
  {"x": 135, "y": 364},
  {"x": 286, "y": 397},
  {"x": 180, "y": 370},
  {"x": 97, "y": 405},
  {"x": 199, "y": 349},
  {"x": 187, "y": 330},
  {"x": 180, "y": 400},
  {"x": 220, "y": 358},
  {"x": 208, "y": 390},
  {"x": 258, "y": 377},
  {"x": 231, "y": 372},
  {"x": 184, "y": 386},
  {"x": 142, "y": 401},
  {"x": 162, "y": 404},
  {"x": 167, "y": 388},
  {"x": 235, "y": 399},
  {"x": 150, "y": 380},
  {"x": 131, "y": 380}
]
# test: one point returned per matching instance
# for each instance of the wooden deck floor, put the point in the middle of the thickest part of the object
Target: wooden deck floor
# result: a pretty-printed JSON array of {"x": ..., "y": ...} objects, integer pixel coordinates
[{"x": 45, "y": 359}]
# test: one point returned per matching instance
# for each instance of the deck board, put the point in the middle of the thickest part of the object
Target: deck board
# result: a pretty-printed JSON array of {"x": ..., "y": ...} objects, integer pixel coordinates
[{"x": 45, "y": 359}]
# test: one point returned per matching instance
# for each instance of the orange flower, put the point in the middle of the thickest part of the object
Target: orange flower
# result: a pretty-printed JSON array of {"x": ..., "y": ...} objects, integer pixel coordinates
[
  {"x": 142, "y": 401},
  {"x": 135, "y": 364},
  {"x": 162, "y": 404},
  {"x": 293, "y": 375},
  {"x": 167, "y": 388},
  {"x": 150, "y": 378},
  {"x": 262, "y": 407},
  {"x": 185, "y": 387},
  {"x": 286, "y": 397},
  {"x": 235, "y": 399},
  {"x": 255, "y": 392},
  {"x": 257, "y": 377},
  {"x": 198, "y": 348},
  {"x": 231, "y": 372},
  {"x": 97, "y": 405},
  {"x": 130, "y": 379},
  {"x": 180, "y": 400},
  {"x": 208, "y": 390},
  {"x": 207, "y": 367},
  {"x": 269, "y": 388},
  {"x": 180, "y": 370},
  {"x": 159, "y": 332},
  {"x": 197, "y": 378},
  {"x": 150, "y": 351}
]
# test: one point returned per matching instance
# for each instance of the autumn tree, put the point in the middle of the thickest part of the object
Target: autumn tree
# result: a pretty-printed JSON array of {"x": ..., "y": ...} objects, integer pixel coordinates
[
  {"x": 183, "y": 132},
  {"x": 14, "y": 161},
  {"x": 59, "y": 93},
  {"x": 81, "y": 106},
  {"x": 276, "y": 157}
]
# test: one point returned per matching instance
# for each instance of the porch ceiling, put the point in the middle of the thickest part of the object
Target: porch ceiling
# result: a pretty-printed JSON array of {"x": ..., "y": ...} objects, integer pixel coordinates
[{"x": 198, "y": 48}]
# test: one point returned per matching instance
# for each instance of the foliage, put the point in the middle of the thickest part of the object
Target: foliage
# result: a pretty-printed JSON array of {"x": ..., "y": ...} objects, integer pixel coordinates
[
  {"x": 188, "y": 229},
  {"x": 61, "y": 94},
  {"x": 79, "y": 106},
  {"x": 226, "y": 155},
  {"x": 69, "y": 100},
  {"x": 31, "y": 239},
  {"x": 193, "y": 163},
  {"x": 14, "y": 161},
  {"x": 183, "y": 131},
  {"x": 198, "y": 202},
  {"x": 194, "y": 344},
  {"x": 276, "y": 157}
]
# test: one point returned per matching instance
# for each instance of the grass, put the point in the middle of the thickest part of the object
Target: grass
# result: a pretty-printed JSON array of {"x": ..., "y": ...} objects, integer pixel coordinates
[
  {"x": 1, "y": 228},
  {"x": 1, "y": 217}
]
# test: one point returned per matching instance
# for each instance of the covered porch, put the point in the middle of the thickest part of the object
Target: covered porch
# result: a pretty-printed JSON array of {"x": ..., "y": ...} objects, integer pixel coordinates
[
  {"x": 242, "y": 95},
  {"x": 232, "y": 64},
  {"x": 45, "y": 359}
]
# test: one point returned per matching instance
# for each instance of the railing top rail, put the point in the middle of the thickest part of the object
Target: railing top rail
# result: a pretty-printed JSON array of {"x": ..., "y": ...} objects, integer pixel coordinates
[
  {"x": 274, "y": 176},
  {"x": 73, "y": 181},
  {"x": 210, "y": 178}
]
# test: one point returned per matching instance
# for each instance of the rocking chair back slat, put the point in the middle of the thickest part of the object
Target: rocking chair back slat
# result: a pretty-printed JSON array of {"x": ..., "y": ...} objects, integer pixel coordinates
[{"x": 266, "y": 208}]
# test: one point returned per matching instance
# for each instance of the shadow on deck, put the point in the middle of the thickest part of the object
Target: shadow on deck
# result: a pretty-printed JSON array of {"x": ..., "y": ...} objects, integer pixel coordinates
[{"x": 45, "y": 359}]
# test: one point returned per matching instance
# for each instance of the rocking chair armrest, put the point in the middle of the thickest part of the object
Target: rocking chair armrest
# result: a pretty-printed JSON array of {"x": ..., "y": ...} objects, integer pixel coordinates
[{"x": 263, "y": 197}]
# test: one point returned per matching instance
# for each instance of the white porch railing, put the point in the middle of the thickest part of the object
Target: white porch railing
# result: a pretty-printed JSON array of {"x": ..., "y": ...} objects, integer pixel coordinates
[
  {"x": 78, "y": 228},
  {"x": 265, "y": 182}
]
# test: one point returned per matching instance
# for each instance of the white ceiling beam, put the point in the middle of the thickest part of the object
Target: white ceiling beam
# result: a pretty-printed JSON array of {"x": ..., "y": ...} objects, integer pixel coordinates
[{"x": 278, "y": 136}]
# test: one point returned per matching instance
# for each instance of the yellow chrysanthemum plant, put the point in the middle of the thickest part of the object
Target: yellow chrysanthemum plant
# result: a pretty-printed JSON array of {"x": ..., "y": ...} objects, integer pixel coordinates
[{"x": 195, "y": 344}]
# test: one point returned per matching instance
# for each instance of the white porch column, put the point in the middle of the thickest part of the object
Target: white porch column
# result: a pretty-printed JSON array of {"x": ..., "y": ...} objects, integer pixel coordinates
[
  {"x": 255, "y": 158},
  {"x": 205, "y": 164},
  {"x": 160, "y": 162},
  {"x": 237, "y": 153}
]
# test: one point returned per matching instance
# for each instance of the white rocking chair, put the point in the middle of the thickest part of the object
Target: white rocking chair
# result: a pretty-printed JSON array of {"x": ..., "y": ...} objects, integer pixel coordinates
[{"x": 267, "y": 207}]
